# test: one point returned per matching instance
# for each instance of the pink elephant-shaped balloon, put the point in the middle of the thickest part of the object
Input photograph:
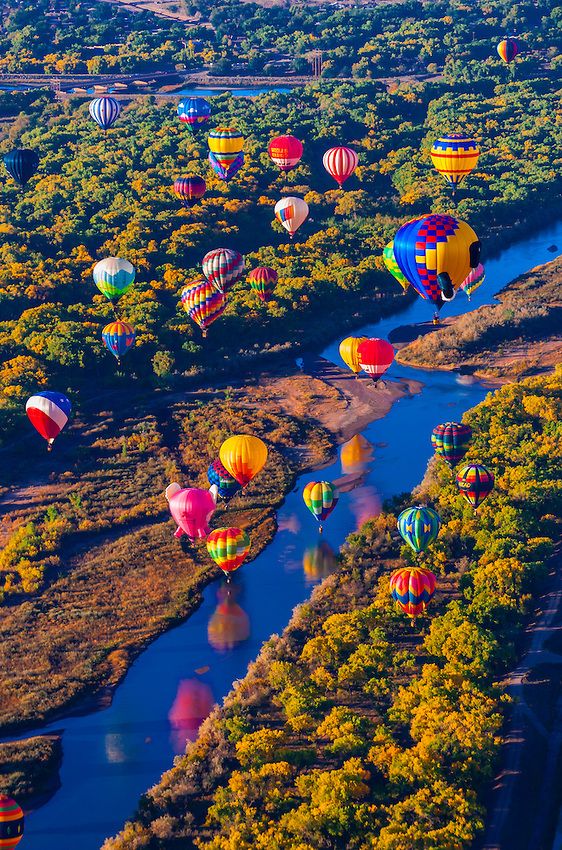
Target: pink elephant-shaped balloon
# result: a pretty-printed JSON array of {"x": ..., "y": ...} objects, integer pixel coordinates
[{"x": 192, "y": 509}]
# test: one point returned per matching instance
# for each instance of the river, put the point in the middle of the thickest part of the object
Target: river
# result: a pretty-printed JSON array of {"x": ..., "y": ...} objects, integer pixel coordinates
[{"x": 112, "y": 756}]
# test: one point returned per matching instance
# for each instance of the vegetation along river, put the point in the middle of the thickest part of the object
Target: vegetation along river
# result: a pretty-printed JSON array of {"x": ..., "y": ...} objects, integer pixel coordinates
[{"x": 112, "y": 756}]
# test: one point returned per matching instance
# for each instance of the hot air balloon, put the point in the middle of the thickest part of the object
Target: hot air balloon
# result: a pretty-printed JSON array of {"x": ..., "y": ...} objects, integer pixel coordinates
[
  {"x": 191, "y": 509},
  {"x": 435, "y": 253},
  {"x": 349, "y": 352},
  {"x": 340, "y": 163},
  {"x": 21, "y": 164},
  {"x": 105, "y": 111},
  {"x": 320, "y": 497},
  {"x": 450, "y": 441},
  {"x": 475, "y": 482},
  {"x": 119, "y": 338},
  {"x": 228, "y": 547},
  {"x": 226, "y": 155},
  {"x": 243, "y": 456},
  {"x": 11, "y": 823},
  {"x": 319, "y": 561},
  {"x": 223, "y": 267},
  {"x": 203, "y": 302},
  {"x": 285, "y": 152},
  {"x": 195, "y": 112},
  {"x": 418, "y": 527},
  {"x": 508, "y": 49},
  {"x": 48, "y": 412},
  {"x": 219, "y": 477},
  {"x": 375, "y": 356},
  {"x": 454, "y": 156},
  {"x": 229, "y": 624},
  {"x": 412, "y": 588},
  {"x": 393, "y": 267},
  {"x": 263, "y": 281},
  {"x": 190, "y": 189},
  {"x": 291, "y": 213},
  {"x": 113, "y": 276},
  {"x": 474, "y": 279}
]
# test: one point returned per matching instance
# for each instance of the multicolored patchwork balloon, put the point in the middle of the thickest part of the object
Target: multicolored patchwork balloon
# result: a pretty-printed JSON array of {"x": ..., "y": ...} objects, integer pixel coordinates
[
  {"x": 454, "y": 156},
  {"x": 11, "y": 823},
  {"x": 263, "y": 280},
  {"x": 194, "y": 112},
  {"x": 228, "y": 547},
  {"x": 220, "y": 477},
  {"x": 48, "y": 412},
  {"x": 418, "y": 527},
  {"x": 413, "y": 588},
  {"x": 390, "y": 262},
  {"x": 320, "y": 497},
  {"x": 113, "y": 276},
  {"x": 474, "y": 279},
  {"x": 244, "y": 456},
  {"x": 203, "y": 302},
  {"x": 190, "y": 189},
  {"x": 223, "y": 267},
  {"x": 226, "y": 155},
  {"x": 450, "y": 441},
  {"x": 226, "y": 170},
  {"x": 475, "y": 483},
  {"x": 119, "y": 338}
]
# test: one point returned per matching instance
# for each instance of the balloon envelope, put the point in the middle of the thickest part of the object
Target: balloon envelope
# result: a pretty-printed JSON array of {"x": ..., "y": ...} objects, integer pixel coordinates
[
  {"x": 192, "y": 509},
  {"x": 190, "y": 189},
  {"x": 119, "y": 338},
  {"x": 285, "y": 152},
  {"x": 243, "y": 456},
  {"x": 508, "y": 48},
  {"x": 320, "y": 497},
  {"x": 223, "y": 267},
  {"x": 349, "y": 352},
  {"x": 11, "y": 823},
  {"x": 413, "y": 588},
  {"x": 203, "y": 302},
  {"x": 291, "y": 212},
  {"x": 263, "y": 281},
  {"x": 48, "y": 412},
  {"x": 21, "y": 164},
  {"x": 473, "y": 280},
  {"x": 375, "y": 356},
  {"x": 194, "y": 112},
  {"x": 475, "y": 483},
  {"x": 450, "y": 441},
  {"x": 220, "y": 477},
  {"x": 228, "y": 547},
  {"x": 113, "y": 276},
  {"x": 340, "y": 163},
  {"x": 390, "y": 262},
  {"x": 105, "y": 111},
  {"x": 454, "y": 156},
  {"x": 418, "y": 527}
]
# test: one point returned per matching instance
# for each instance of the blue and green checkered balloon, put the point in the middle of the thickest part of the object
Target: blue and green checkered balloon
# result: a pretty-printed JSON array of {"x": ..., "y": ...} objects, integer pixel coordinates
[{"x": 418, "y": 527}]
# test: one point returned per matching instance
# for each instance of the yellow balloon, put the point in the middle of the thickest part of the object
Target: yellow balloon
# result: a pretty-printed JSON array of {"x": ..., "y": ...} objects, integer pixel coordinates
[
  {"x": 243, "y": 456},
  {"x": 348, "y": 352}
]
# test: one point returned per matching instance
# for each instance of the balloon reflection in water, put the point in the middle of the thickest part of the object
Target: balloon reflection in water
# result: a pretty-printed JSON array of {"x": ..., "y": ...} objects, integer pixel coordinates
[
  {"x": 193, "y": 703},
  {"x": 319, "y": 561},
  {"x": 229, "y": 624},
  {"x": 289, "y": 522},
  {"x": 364, "y": 503},
  {"x": 355, "y": 455}
]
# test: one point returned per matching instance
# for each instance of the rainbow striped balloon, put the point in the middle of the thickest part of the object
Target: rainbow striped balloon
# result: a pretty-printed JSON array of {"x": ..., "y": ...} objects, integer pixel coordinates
[
  {"x": 390, "y": 262},
  {"x": 418, "y": 527},
  {"x": 119, "y": 338},
  {"x": 450, "y": 441},
  {"x": 508, "y": 49},
  {"x": 454, "y": 156},
  {"x": 474, "y": 279},
  {"x": 320, "y": 497},
  {"x": 223, "y": 267},
  {"x": 475, "y": 483},
  {"x": 228, "y": 547},
  {"x": 203, "y": 302},
  {"x": 412, "y": 588},
  {"x": 226, "y": 155},
  {"x": 263, "y": 281},
  {"x": 11, "y": 823}
]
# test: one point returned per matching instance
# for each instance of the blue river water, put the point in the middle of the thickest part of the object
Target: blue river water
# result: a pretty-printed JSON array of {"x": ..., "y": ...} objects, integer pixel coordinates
[{"x": 112, "y": 756}]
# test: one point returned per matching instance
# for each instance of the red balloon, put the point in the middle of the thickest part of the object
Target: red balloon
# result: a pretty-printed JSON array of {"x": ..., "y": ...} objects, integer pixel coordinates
[
  {"x": 285, "y": 152},
  {"x": 375, "y": 356},
  {"x": 340, "y": 163}
]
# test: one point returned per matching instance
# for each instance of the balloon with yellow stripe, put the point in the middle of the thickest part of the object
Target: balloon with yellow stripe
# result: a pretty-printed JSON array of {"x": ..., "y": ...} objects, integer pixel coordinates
[
  {"x": 11, "y": 823},
  {"x": 228, "y": 547},
  {"x": 455, "y": 156}
]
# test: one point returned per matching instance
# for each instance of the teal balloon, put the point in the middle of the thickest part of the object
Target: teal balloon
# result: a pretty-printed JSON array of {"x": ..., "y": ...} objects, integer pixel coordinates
[{"x": 418, "y": 527}]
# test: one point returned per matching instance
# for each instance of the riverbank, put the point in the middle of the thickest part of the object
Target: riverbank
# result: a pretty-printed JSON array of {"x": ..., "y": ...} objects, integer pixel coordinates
[{"x": 516, "y": 337}]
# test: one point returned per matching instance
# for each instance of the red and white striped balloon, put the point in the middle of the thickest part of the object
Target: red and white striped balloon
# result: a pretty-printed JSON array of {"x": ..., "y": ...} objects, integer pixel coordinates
[{"x": 340, "y": 163}]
